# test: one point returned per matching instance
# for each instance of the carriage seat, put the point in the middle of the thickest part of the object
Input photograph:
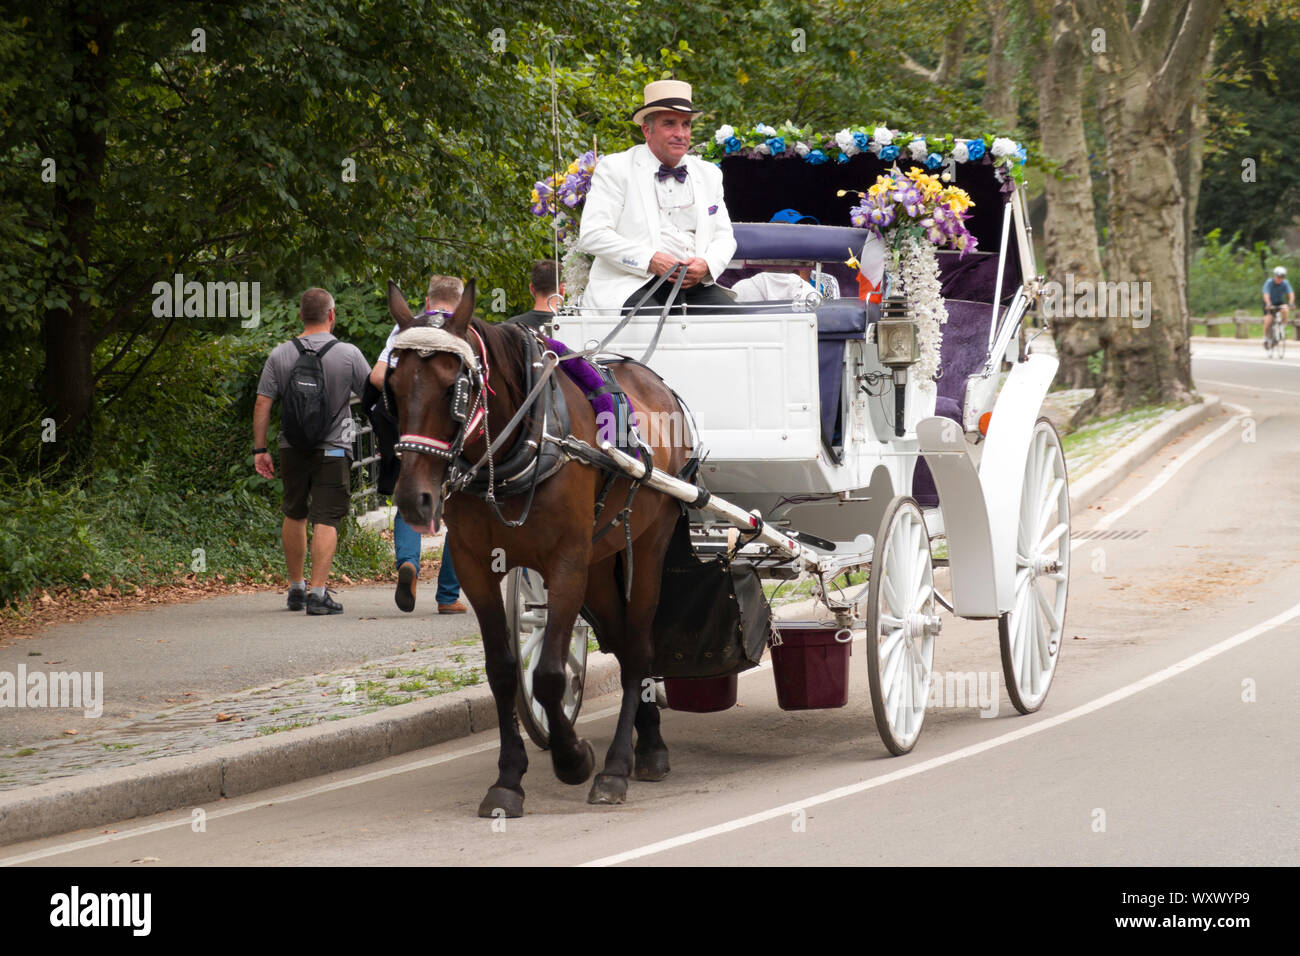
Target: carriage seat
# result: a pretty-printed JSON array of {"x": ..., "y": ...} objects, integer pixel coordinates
[
  {"x": 797, "y": 242},
  {"x": 838, "y": 321}
]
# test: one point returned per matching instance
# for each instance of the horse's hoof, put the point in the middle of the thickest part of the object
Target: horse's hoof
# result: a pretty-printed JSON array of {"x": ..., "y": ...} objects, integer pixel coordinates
[
  {"x": 608, "y": 788},
  {"x": 652, "y": 765},
  {"x": 581, "y": 772},
  {"x": 502, "y": 802}
]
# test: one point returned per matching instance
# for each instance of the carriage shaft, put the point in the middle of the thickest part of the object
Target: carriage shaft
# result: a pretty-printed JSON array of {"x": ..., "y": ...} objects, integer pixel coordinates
[{"x": 691, "y": 495}]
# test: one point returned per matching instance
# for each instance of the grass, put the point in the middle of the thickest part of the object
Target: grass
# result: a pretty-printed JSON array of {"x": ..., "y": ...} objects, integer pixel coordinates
[
  {"x": 25, "y": 752},
  {"x": 117, "y": 746},
  {"x": 472, "y": 641},
  {"x": 267, "y": 731},
  {"x": 1091, "y": 444}
]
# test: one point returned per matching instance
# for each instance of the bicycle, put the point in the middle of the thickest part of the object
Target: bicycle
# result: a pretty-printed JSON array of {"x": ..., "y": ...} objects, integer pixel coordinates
[{"x": 1275, "y": 340}]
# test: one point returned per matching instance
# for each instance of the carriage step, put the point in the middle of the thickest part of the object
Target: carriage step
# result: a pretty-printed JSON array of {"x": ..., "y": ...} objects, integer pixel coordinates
[{"x": 803, "y": 537}]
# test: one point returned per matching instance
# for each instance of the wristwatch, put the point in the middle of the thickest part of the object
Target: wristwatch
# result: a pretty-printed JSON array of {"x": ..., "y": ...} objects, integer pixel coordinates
[{"x": 259, "y": 451}]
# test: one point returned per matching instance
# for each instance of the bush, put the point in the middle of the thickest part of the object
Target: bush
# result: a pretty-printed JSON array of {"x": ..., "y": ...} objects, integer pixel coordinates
[{"x": 1225, "y": 276}]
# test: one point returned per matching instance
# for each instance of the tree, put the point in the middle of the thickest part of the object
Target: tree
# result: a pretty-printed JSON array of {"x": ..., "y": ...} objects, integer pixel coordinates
[
  {"x": 1069, "y": 234},
  {"x": 1149, "y": 70}
]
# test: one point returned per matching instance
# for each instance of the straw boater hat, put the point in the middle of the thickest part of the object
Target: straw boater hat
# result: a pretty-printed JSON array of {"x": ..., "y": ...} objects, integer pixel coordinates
[{"x": 672, "y": 95}]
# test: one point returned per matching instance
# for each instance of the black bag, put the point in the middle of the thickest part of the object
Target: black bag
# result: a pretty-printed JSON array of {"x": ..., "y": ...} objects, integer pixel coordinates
[
  {"x": 385, "y": 429},
  {"x": 305, "y": 416},
  {"x": 713, "y": 617}
]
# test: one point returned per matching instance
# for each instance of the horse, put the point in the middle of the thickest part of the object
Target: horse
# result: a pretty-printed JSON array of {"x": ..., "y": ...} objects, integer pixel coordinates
[{"x": 446, "y": 411}]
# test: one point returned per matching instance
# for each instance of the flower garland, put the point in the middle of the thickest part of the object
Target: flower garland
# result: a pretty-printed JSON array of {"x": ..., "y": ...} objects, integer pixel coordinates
[
  {"x": 918, "y": 269},
  {"x": 788, "y": 141}
]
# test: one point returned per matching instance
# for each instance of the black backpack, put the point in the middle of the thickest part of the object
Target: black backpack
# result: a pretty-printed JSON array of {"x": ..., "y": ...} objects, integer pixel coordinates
[{"x": 305, "y": 416}]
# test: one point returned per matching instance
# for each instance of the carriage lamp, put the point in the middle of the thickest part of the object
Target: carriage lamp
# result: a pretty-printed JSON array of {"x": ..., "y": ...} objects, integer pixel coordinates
[{"x": 898, "y": 348}]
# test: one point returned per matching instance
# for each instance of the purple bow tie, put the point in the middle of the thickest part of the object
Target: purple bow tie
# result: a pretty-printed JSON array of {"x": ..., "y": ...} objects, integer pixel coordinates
[{"x": 678, "y": 173}]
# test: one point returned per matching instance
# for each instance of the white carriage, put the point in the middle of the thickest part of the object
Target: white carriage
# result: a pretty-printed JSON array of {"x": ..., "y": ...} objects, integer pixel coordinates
[{"x": 797, "y": 403}]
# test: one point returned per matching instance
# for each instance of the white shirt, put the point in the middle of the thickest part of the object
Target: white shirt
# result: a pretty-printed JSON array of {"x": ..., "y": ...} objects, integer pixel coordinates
[
  {"x": 676, "y": 217},
  {"x": 386, "y": 355}
]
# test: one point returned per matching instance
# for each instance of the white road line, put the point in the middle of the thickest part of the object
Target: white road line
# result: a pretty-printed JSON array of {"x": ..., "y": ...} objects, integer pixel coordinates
[
  {"x": 1224, "y": 357},
  {"x": 1246, "y": 388},
  {"x": 1043, "y": 725},
  {"x": 1168, "y": 471}
]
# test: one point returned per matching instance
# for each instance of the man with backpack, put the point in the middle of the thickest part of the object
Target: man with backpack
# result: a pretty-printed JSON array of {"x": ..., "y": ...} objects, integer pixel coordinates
[{"x": 313, "y": 377}]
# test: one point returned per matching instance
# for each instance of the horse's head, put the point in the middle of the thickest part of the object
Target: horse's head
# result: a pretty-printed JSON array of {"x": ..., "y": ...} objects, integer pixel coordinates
[{"x": 436, "y": 389}]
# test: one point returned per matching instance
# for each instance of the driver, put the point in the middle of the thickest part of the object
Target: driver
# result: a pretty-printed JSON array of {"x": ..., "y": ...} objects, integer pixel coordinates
[
  {"x": 1277, "y": 291},
  {"x": 652, "y": 208}
]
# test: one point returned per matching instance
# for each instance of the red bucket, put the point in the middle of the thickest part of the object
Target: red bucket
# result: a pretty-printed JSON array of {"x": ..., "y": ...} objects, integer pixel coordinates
[
  {"x": 810, "y": 662},
  {"x": 701, "y": 695}
]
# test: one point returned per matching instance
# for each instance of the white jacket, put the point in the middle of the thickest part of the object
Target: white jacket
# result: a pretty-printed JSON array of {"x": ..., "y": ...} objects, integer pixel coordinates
[{"x": 620, "y": 224}]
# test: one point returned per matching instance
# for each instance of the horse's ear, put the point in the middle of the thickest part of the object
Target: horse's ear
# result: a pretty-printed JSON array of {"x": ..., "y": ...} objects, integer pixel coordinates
[
  {"x": 397, "y": 307},
  {"x": 458, "y": 324}
]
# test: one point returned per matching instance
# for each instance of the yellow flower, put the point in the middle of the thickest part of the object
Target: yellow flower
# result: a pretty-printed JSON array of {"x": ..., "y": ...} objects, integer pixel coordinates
[
  {"x": 958, "y": 199},
  {"x": 883, "y": 185},
  {"x": 928, "y": 184}
]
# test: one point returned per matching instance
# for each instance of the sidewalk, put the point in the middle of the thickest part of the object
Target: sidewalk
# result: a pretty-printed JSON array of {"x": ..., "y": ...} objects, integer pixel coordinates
[{"x": 235, "y": 694}]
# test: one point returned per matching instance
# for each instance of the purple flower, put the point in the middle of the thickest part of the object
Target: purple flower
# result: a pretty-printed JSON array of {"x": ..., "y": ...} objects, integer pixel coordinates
[
  {"x": 880, "y": 215},
  {"x": 909, "y": 197}
]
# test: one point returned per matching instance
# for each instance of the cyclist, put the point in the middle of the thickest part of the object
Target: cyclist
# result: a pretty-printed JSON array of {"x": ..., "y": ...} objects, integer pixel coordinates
[{"x": 1276, "y": 292}]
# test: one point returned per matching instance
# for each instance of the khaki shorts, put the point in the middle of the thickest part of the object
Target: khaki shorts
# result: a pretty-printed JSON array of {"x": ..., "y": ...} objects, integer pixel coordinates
[{"x": 315, "y": 486}]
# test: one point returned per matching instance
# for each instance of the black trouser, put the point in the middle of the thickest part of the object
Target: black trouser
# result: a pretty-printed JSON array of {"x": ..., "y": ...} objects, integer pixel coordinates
[{"x": 698, "y": 297}]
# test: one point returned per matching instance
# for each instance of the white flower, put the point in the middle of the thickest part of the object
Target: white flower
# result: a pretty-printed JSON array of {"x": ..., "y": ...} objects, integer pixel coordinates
[
  {"x": 1003, "y": 147},
  {"x": 762, "y": 129},
  {"x": 763, "y": 149},
  {"x": 959, "y": 151},
  {"x": 801, "y": 149},
  {"x": 882, "y": 135},
  {"x": 916, "y": 148},
  {"x": 919, "y": 274},
  {"x": 723, "y": 134},
  {"x": 844, "y": 140}
]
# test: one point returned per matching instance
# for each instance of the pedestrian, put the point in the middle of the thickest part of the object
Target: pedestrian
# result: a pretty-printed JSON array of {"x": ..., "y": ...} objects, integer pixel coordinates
[
  {"x": 440, "y": 301},
  {"x": 544, "y": 282},
  {"x": 312, "y": 376}
]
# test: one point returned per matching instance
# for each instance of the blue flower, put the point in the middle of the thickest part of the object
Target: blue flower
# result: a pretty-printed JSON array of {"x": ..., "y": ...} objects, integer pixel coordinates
[
  {"x": 889, "y": 153},
  {"x": 816, "y": 157},
  {"x": 933, "y": 161},
  {"x": 731, "y": 145},
  {"x": 841, "y": 158},
  {"x": 1021, "y": 155},
  {"x": 975, "y": 147},
  {"x": 776, "y": 144},
  {"x": 861, "y": 140}
]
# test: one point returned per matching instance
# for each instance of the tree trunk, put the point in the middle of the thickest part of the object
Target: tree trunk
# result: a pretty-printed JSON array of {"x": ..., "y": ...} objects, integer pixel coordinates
[
  {"x": 1001, "y": 74},
  {"x": 68, "y": 379},
  {"x": 1190, "y": 159},
  {"x": 1149, "y": 73},
  {"x": 1070, "y": 233}
]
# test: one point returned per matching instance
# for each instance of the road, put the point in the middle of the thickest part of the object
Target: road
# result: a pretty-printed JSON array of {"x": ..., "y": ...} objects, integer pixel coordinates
[{"x": 1170, "y": 735}]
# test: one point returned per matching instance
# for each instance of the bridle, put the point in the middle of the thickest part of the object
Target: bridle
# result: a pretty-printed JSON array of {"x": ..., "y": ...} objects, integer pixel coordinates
[{"x": 468, "y": 397}]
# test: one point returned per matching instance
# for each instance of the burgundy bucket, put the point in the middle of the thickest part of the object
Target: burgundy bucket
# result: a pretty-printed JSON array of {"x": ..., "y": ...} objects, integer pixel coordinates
[
  {"x": 810, "y": 662},
  {"x": 701, "y": 695}
]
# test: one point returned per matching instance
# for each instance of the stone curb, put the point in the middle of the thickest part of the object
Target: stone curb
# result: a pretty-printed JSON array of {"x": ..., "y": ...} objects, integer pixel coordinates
[
  {"x": 247, "y": 766},
  {"x": 1121, "y": 464}
]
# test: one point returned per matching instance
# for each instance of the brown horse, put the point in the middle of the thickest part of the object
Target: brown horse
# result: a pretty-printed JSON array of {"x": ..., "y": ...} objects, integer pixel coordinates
[{"x": 556, "y": 539}]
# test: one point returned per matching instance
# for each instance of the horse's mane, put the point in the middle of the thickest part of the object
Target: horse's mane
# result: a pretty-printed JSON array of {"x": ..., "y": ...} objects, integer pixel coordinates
[{"x": 511, "y": 341}]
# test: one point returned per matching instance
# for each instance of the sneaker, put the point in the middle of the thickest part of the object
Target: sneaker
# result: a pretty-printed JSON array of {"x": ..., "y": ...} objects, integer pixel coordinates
[
  {"x": 408, "y": 577},
  {"x": 457, "y": 608},
  {"x": 323, "y": 605},
  {"x": 297, "y": 598}
]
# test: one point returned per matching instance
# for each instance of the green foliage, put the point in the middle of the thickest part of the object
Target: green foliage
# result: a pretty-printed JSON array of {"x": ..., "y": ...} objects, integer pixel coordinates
[{"x": 1226, "y": 276}]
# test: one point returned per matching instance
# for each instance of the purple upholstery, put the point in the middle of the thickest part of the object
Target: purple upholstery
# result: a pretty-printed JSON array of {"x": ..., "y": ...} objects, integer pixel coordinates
[
  {"x": 803, "y": 242},
  {"x": 587, "y": 377},
  {"x": 961, "y": 354}
]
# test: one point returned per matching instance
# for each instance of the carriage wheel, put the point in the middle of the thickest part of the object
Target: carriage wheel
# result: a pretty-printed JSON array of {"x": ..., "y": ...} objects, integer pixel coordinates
[
  {"x": 901, "y": 623},
  {"x": 1030, "y": 633},
  {"x": 526, "y": 622}
]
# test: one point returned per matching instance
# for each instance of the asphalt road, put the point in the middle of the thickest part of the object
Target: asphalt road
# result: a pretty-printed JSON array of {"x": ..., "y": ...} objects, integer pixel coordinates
[{"x": 1170, "y": 735}]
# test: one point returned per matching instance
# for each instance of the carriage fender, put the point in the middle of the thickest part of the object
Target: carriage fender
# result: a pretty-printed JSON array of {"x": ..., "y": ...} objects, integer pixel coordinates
[{"x": 1002, "y": 466}]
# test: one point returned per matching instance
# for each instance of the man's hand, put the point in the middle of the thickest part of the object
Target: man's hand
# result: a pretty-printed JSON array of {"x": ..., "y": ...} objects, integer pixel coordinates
[
  {"x": 264, "y": 465},
  {"x": 697, "y": 270},
  {"x": 662, "y": 262}
]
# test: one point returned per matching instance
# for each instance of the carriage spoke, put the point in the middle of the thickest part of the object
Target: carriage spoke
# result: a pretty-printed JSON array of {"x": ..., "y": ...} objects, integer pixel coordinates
[{"x": 1052, "y": 537}]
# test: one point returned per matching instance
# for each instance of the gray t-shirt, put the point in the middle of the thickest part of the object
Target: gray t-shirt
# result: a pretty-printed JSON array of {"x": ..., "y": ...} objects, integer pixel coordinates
[{"x": 346, "y": 372}]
